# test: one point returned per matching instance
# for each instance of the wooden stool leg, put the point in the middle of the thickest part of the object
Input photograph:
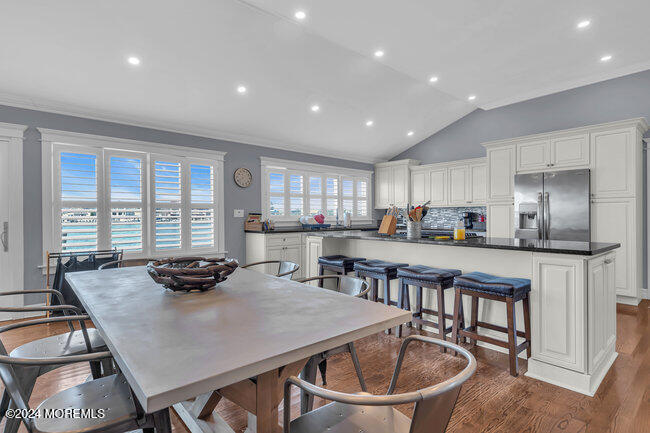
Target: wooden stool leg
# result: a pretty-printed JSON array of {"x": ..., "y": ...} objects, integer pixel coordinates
[
  {"x": 418, "y": 305},
  {"x": 458, "y": 299},
  {"x": 386, "y": 295},
  {"x": 441, "y": 316},
  {"x": 512, "y": 336},
  {"x": 400, "y": 304},
  {"x": 374, "y": 284},
  {"x": 321, "y": 272},
  {"x": 407, "y": 302},
  {"x": 474, "y": 319},
  {"x": 526, "y": 305}
]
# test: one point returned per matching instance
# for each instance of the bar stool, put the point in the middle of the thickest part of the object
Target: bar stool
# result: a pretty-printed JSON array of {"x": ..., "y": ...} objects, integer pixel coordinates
[
  {"x": 337, "y": 263},
  {"x": 432, "y": 278},
  {"x": 508, "y": 290},
  {"x": 379, "y": 270}
]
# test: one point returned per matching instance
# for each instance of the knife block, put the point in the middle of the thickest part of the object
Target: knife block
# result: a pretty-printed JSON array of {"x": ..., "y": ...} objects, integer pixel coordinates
[{"x": 388, "y": 225}]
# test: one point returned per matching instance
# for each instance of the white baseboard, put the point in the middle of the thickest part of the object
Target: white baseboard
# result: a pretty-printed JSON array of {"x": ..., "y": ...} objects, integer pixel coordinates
[
  {"x": 644, "y": 294},
  {"x": 628, "y": 300}
]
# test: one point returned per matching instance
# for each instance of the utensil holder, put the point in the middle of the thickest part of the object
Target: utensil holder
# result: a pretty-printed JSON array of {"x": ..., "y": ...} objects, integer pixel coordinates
[{"x": 413, "y": 229}]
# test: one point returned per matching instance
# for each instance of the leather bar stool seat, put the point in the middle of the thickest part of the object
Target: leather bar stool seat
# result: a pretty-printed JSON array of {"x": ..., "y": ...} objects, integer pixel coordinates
[
  {"x": 494, "y": 288},
  {"x": 426, "y": 273},
  {"x": 379, "y": 267},
  {"x": 340, "y": 261}
]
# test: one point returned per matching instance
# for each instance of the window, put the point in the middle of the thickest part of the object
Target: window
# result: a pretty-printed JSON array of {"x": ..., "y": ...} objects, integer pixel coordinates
[
  {"x": 146, "y": 199},
  {"x": 292, "y": 189}
]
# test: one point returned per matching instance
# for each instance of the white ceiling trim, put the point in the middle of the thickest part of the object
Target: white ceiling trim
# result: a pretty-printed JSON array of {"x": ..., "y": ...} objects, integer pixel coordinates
[
  {"x": 179, "y": 128},
  {"x": 569, "y": 85}
]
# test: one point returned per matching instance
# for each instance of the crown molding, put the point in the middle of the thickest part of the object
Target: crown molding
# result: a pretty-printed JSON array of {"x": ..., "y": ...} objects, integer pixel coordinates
[
  {"x": 288, "y": 164},
  {"x": 178, "y": 128},
  {"x": 12, "y": 130}
]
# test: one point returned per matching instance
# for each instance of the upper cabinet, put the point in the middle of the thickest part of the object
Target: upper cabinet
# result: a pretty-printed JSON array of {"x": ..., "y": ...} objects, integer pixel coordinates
[
  {"x": 457, "y": 183},
  {"x": 612, "y": 173},
  {"x": 501, "y": 173},
  {"x": 564, "y": 151},
  {"x": 533, "y": 155},
  {"x": 393, "y": 183}
]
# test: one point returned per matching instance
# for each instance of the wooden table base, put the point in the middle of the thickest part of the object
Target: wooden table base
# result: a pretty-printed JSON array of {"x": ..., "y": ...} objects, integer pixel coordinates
[{"x": 260, "y": 397}]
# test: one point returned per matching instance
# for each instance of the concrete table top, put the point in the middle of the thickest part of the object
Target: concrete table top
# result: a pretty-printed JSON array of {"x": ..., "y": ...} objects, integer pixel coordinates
[{"x": 175, "y": 346}]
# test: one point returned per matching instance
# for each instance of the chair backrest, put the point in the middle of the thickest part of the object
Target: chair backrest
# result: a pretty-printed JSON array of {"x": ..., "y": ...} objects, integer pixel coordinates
[
  {"x": 352, "y": 286},
  {"x": 433, "y": 405},
  {"x": 124, "y": 263},
  {"x": 287, "y": 269}
]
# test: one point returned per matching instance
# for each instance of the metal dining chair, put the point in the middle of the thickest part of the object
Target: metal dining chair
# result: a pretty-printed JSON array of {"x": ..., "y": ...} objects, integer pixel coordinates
[
  {"x": 124, "y": 263},
  {"x": 350, "y": 286},
  {"x": 285, "y": 269},
  {"x": 364, "y": 412},
  {"x": 62, "y": 345},
  {"x": 108, "y": 400}
]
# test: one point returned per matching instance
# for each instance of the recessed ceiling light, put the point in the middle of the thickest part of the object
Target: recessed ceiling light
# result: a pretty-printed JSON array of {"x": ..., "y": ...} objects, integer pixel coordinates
[
  {"x": 133, "y": 60},
  {"x": 241, "y": 90},
  {"x": 433, "y": 79},
  {"x": 583, "y": 24},
  {"x": 410, "y": 133},
  {"x": 471, "y": 97},
  {"x": 606, "y": 58},
  {"x": 370, "y": 122},
  {"x": 379, "y": 53},
  {"x": 315, "y": 108},
  {"x": 300, "y": 15}
]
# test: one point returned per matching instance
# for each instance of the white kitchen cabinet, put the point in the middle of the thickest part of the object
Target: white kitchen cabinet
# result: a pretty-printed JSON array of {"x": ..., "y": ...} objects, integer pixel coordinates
[
  {"x": 393, "y": 183},
  {"x": 314, "y": 250},
  {"x": 613, "y": 168},
  {"x": 275, "y": 246},
  {"x": 558, "y": 311},
  {"x": 615, "y": 221},
  {"x": 501, "y": 173},
  {"x": 500, "y": 221},
  {"x": 478, "y": 184},
  {"x": 419, "y": 186},
  {"x": 570, "y": 151},
  {"x": 458, "y": 185},
  {"x": 533, "y": 155},
  {"x": 602, "y": 318},
  {"x": 438, "y": 187},
  {"x": 383, "y": 180}
]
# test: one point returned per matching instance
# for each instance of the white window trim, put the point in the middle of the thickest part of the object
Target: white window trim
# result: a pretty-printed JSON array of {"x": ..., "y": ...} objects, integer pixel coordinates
[
  {"x": 52, "y": 138},
  {"x": 309, "y": 169}
]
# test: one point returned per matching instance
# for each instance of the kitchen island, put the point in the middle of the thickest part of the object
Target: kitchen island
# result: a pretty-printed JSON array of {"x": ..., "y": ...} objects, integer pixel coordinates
[{"x": 572, "y": 300}]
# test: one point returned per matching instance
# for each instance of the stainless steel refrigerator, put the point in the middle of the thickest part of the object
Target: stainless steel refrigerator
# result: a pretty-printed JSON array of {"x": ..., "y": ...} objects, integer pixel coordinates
[{"x": 553, "y": 205}]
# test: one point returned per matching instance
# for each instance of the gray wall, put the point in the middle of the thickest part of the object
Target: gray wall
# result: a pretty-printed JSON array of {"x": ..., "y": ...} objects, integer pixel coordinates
[
  {"x": 617, "y": 99},
  {"x": 239, "y": 155},
  {"x": 607, "y": 101}
]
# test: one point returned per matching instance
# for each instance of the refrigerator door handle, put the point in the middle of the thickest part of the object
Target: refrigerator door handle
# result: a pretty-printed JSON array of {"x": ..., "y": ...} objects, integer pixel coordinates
[
  {"x": 547, "y": 216},
  {"x": 540, "y": 216}
]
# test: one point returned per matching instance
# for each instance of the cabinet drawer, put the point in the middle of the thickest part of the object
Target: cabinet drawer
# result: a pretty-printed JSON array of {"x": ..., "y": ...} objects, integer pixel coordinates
[{"x": 283, "y": 239}]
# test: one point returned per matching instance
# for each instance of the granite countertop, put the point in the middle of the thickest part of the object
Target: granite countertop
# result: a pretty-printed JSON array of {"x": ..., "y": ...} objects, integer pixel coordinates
[
  {"x": 557, "y": 247},
  {"x": 298, "y": 229}
]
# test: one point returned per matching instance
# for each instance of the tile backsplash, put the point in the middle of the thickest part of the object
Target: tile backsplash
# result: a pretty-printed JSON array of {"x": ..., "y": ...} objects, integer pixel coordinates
[{"x": 447, "y": 217}]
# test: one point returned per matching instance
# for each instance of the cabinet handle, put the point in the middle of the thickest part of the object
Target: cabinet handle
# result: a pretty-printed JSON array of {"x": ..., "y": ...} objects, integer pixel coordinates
[{"x": 608, "y": 261}]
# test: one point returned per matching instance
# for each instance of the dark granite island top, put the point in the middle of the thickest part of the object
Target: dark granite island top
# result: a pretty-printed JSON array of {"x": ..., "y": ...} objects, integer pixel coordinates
[{"x": 556, "y": 247}]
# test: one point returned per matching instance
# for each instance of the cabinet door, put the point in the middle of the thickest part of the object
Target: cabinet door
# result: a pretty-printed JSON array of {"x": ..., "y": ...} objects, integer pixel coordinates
[
  {"x": 570, "y": 151},
  {"x": 419, "y": 186},
  {"x": 558, "y": 312},
  {"x": 314, "y": 250},
  {"x": 458, "y": 185},
  {"x": 614, "y": 221},
  {"x": 533, "y": 155},
  {"x": 478, "y": 184},
  {"x": 383, "y": 187},
  {"x": 501, "y": 173},
  {"x": 401, "y": 179},
  {"x": 293, "y": 254},
  {"x": 273, "y": 253},
  {"x": 612, "y": 173},
  {"x": 602, "y": 304},
  {"x": 500, "y": 220},
  {"x": 438, "y": 187}
]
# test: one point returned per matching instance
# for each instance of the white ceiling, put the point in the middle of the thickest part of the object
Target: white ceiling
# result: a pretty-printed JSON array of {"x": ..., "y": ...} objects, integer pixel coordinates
[{"x": 71, "y": 57}]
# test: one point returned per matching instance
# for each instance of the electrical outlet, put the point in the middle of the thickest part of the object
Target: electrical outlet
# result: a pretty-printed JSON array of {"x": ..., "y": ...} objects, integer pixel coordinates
[{"x": 238, "y": 213}]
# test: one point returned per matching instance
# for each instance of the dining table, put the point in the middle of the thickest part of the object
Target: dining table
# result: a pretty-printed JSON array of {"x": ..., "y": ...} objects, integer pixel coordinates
[{"x": 240, "y": 340}]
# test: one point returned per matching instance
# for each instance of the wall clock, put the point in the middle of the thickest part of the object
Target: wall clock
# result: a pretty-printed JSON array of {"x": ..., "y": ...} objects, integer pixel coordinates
[{"x": 243, "y": 177}]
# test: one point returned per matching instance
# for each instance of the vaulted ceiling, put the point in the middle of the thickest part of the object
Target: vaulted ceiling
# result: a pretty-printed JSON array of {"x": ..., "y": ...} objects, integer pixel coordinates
[{"x": 71, "y": 56}]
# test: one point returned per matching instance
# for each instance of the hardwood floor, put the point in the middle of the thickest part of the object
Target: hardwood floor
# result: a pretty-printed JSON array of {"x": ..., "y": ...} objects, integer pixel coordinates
[{"x": 492, "y": 401}]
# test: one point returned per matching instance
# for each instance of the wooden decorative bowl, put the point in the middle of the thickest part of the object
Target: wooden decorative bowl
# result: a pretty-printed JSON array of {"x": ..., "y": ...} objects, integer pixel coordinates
[{"x": 191, "y": 273}]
